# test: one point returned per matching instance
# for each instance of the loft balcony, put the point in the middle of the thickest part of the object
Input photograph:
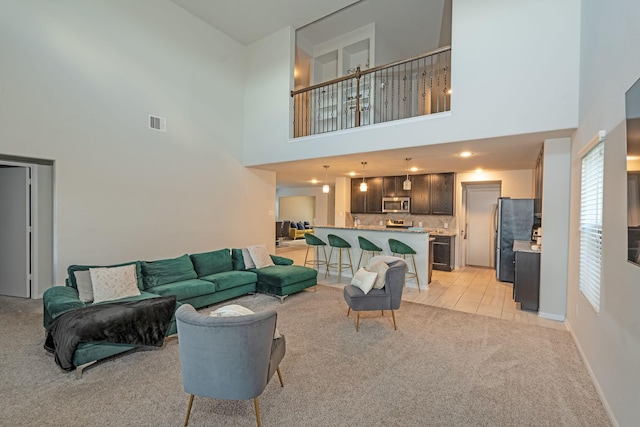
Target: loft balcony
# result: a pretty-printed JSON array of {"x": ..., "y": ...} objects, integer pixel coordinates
[{"x": 412, "y": 87}]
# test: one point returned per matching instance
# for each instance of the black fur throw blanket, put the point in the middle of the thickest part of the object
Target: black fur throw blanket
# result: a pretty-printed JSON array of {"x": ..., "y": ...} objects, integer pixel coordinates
[{"x": 142, "y": 322}]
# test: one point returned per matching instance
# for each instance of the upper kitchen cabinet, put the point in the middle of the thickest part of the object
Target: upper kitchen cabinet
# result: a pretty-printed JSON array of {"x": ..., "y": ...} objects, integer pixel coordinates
[
  {"x": 374, "y": 195},
  {"x": 433, "y": 194},
  {"x": 420, "y": 194},
  {"x": 369, "y": 201},
  {"x": 358, "y": 198},
  {"x": 442, "y": 192},
  {"x": 393, "y": 187}
]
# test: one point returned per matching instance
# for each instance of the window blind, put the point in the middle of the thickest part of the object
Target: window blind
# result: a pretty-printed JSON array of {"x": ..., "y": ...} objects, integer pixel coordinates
[{"x": 591, "y": 223}]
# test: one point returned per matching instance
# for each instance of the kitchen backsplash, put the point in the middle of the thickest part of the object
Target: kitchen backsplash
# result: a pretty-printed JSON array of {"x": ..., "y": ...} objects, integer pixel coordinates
[{"x": 428, "y": 221}]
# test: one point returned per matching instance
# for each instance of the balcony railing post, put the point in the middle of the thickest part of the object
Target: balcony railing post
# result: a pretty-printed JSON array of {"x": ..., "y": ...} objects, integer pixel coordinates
[{"x": 358, "y": 75}]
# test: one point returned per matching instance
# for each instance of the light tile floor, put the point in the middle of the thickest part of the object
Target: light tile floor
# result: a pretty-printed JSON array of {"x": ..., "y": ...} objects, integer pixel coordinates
[{"x": 471, "y": 289}]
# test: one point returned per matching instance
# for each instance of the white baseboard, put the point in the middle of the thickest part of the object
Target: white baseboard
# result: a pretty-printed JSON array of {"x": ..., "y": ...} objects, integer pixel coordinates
[
  {"x": 594, "y": 380},
  {"x": 551, "y": 316}
]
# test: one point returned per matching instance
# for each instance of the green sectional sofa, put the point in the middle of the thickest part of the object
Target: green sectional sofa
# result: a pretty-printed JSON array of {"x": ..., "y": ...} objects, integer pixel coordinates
[{"x": 198, "y": 279}]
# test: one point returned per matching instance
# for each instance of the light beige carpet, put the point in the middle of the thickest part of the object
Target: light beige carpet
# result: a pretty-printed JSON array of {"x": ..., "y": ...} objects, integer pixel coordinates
[{"x": 441, "y": 368}]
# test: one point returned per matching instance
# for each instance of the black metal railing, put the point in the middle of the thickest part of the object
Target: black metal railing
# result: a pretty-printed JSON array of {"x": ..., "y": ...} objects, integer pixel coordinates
[{"x": 412, "y": 87}]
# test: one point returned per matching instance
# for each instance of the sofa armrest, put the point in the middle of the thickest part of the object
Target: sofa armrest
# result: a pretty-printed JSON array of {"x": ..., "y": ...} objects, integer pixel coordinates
[
  {"x": 58, "y": 300},
  {"x": 279, "y": 260}
]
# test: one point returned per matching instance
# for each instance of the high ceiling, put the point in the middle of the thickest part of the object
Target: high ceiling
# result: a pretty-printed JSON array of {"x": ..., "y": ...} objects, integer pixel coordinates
[{"x": 247, "y": 21}]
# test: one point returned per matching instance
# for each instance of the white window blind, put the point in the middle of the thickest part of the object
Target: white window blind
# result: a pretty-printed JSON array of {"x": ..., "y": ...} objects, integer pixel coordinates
[{"x": 591, "y": 223}]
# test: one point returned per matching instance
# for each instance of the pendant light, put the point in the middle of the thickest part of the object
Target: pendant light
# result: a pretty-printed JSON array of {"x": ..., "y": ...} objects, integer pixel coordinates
[
  {"x": 363, "y": 184},
  {"x": 325, "y": 187},
  {"x": 406, "y": 185}
]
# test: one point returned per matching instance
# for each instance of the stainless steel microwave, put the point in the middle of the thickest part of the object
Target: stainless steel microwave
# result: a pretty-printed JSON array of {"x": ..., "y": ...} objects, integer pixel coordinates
[{"x": 396, "y": 204}]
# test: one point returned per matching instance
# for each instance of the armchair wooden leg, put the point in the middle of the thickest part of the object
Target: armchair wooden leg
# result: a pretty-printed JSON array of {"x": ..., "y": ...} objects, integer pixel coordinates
[
  {"x": 357, "y": 321},
  {"x": 257, "y": 405},
  {"x": 348, "y": 311},
  {"x": 393, "y": 314},
  {"x": 186, "y": 420},
  {"x": 280, "y": 376}
]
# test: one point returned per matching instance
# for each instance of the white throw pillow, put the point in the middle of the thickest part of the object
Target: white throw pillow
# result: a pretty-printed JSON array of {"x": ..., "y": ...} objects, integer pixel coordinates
[
  {"x": 380, "y": 268},
  {"x": 260, "y": 255},
  {"x": 248, "y": 262},
  {"x": 83, "y": 282},
  {"x": 233, "y": 310},
  {"x": 364, "y": 280},
  {"x": 111, "y": 283}
]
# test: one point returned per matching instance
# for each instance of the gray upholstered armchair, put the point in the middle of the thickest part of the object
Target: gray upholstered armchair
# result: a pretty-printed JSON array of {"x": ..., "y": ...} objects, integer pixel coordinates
[
  {"x": 228, "y": 357},
  {"x": 387, "y": 298}
]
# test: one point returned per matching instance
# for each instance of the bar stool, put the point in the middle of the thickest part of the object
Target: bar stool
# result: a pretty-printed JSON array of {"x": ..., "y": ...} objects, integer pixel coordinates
[
  {"x": 368, "y": 247},
  {"x": 399, "y": 248},
  {"x": 316, "y": 243},
  {"x": 340, "y": 244}
]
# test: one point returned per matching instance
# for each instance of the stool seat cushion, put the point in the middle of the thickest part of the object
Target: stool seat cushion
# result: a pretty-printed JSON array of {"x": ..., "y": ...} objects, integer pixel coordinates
[
  {"x": 337, "y": 242},
  {"x": 368, "y": 245},
  {"x": 313, "y": 240},
  {"x": 397, "y": 247}
]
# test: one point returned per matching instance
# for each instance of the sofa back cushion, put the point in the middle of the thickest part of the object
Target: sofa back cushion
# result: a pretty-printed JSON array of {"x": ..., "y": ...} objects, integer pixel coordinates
[
  {"x": 165, "y": 271},
  {"x": 72, "y": 269},
  {"x": 207, "y": 263}
]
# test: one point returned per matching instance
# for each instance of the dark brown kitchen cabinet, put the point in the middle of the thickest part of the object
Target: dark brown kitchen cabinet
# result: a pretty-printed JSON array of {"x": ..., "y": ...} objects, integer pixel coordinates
[
  {"x": 442, "y": 189},
  {"x": 444, "y": 253},
  {"x": 369, "y": 201},
  {"x": 432, "y": 194},
  {"x": 393, "y": 187},
  {"x": 358, "y": 200},
  {"x": 420, "y": 194},
  {"x": 374, "y": 195}
]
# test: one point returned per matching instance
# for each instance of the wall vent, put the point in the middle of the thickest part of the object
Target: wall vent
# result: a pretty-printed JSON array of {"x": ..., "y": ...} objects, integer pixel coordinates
[{"x": 157, "y": 123}]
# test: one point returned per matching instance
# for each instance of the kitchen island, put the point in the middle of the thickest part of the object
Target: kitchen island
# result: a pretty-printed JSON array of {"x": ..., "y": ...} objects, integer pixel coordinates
[{"x": 380, "y": 235}]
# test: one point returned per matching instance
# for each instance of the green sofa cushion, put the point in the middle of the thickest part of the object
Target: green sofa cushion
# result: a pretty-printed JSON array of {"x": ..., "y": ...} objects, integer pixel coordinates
[
  {"x": 231, "y": 279},
  {"x": 284, "y": 275},
  {"x": 161, "y": 272},
  {"x": 185, "y": 289},
  {"x": 73, "y": 268},
  {"x": 207, "y": 263},
  {"x": 238, "y": 260}
]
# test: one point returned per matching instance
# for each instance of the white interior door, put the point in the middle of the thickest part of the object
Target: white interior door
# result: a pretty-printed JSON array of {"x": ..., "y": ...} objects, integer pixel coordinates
[
  {"x": 482, "y": 201},
  {"x": 14, "y": 232}
]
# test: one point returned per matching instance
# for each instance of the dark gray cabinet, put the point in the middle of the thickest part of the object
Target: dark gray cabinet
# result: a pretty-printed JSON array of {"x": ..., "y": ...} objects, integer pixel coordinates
[
  {"x": 444, "y": 253},
  {"x": 442, "y": 192},
  {"x": 433, "y": 194},
  {"x": 393, "y": 187},
  {"x": 369, "y": 201},
  {"x": 526, "y": 282}
]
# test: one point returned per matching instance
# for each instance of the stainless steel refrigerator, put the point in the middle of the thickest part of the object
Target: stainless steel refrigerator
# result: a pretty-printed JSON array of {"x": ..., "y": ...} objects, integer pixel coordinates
[{"x": 513, "y": 221}]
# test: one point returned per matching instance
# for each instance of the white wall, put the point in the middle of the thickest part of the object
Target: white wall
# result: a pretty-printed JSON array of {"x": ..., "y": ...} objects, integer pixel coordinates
[
  {"x": 505, "y": 79},
  {"x": 610, "y": 341},
  {"x": 554, "y": 257},
  {"x": 77, "y": 83}
]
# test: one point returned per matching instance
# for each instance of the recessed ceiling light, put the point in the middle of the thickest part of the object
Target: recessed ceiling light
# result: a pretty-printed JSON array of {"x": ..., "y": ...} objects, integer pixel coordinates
[
  {"x": 352, "y": 174},
  {"x": 479, "y": 170},
  {"x": 465, "y": 154},
  {"x": 414, "y": 169},
  {"x": 314, "y": 181}
]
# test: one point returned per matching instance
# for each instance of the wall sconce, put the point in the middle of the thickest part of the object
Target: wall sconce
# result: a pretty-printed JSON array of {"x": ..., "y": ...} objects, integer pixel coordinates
[{"x": 325, "y": 187}]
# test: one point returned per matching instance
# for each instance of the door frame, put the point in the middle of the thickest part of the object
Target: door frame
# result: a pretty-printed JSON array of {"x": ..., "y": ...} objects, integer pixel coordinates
[
  {"x": 35, "y": 290},
  {"x": 463, "y": 214}
]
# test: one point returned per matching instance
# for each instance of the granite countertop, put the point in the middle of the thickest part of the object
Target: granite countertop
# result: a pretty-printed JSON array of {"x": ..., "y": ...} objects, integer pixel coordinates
[{"x": 433, "y": 232}]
